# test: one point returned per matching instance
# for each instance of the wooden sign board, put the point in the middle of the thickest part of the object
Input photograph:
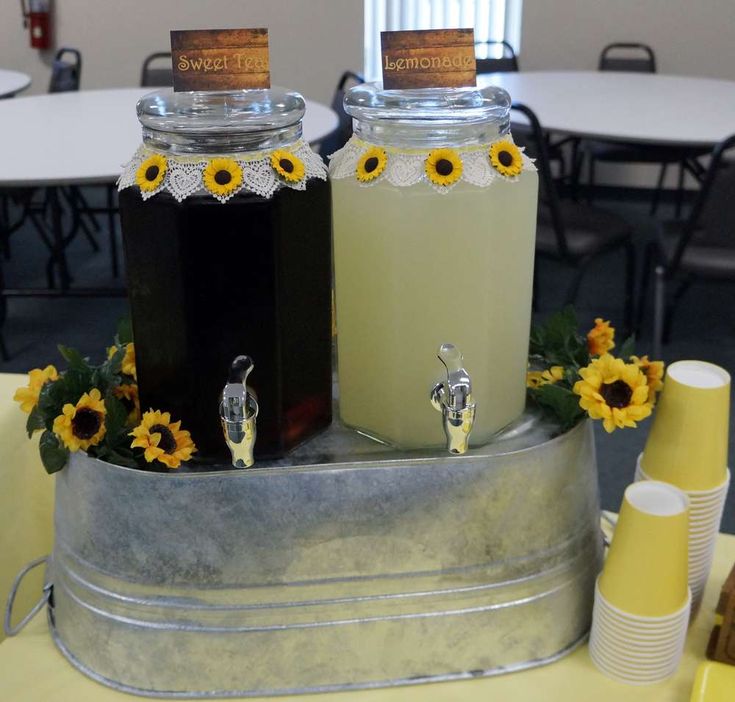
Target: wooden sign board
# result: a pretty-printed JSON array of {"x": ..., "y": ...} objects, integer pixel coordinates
[
  {"x": 428, "y": 58},
  {"x": 220, "y": 59}
]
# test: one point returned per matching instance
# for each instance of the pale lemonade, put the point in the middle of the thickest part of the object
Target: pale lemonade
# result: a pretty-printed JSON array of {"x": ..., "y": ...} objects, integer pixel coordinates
[{"x": 414, "y": 269}]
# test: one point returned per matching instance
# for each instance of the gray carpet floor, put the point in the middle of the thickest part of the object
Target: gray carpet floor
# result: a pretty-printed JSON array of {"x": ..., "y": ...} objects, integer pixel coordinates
[{"x": 704, "y": 327}]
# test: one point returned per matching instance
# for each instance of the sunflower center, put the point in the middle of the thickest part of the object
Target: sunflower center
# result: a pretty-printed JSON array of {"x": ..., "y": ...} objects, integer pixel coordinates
[
  {"x": 167, "y": 442},
  {"x": 505, "y": 158},
  {"x": 371, "y": 164},
  {"x": 86, "y": 423},
  {"x": 444, "y": 167},
  {"x": 222, "y": 177},
  {"x": 151, "y": 173},
  {"x": 617, "y": 394},
  {"x": 286, "y": 165}
]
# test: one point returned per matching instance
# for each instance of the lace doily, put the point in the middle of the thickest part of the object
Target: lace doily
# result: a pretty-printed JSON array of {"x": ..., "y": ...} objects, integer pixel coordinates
[
  {"x": 184, "y": 175},
  {"x": 405, "y": 167}
]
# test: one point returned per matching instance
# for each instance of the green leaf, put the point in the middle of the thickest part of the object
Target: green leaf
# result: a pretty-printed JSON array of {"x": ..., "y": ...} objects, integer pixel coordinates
[
  {"x": 116, "y": 418},
  {"x": 561, "y": 403},
  {"x": 53, "y": 455},
  {"x": 627, "y": 349},
  {"x": 108, "y": 375},
  {"x": 51, "y": 400},
  {"x": 124, "y": 332},
  {"x": 35, "y": 422},
  {"x": 73, "y": 357},
  {"x": 557, "y": 342}
]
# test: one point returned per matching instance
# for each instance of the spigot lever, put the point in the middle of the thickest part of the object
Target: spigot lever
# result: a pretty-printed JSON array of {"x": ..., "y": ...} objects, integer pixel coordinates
[
  {"x": 238, "y": 413},
  {"x": 453, "y": 398}
]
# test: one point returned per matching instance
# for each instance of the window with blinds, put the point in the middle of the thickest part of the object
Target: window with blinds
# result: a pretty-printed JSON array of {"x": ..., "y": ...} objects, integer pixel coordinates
[{"x": 493, "y": 20}]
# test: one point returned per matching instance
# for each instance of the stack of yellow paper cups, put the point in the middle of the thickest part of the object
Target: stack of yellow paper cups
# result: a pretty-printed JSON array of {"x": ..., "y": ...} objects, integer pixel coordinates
[
  {"x": 687, "y": 447},
  {"x": 642, "y": 598}
]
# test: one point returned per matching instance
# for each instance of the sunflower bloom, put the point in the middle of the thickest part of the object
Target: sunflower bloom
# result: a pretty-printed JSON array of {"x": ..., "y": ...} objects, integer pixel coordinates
[
  {"x": 505, "y": 158},
  {"x": 151, "y": 172},
  {"x": 613, "y": 391},
  {"x": 222, "y": 176},
  {"x": 654, "y": 372},
  {"x": 28, "y": 396},
  {"x": 600, "y": 338},
  {"x": 82, "y": 425},
  {"x": 443, "y": 167},
  {"x": 128, "y": 362},
  {"x": 550, "y": 376},
  {"x": 371, "y": 164},
  {"x": 128, "y": 395},
  {"x": 289, "y": 166},
  {"x": 163, "y": 440}
]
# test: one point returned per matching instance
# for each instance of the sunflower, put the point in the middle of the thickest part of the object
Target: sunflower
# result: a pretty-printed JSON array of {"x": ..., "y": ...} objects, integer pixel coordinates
[
  {"x": 128, "y": 362},
  {"x": 37, "y": 378},
  {"x": 288, "y": 166},
  {"x": 550, "y": 376},
  {"x": 654, "y": 372},
  {"x": 128, "y": 395},
  {"x": 222, "y": 176},
  {"x": 371, "y": 164},
  {"x": 505, "y": 158},
  {"x": 601, "y": 338},
  {"x": 162, "y": 439},
  {"x": 82, "y": 425},
  {"x": 614, "y": 391},
  {"x": 443, "y": 167},
  {"x": 151, "y": 172}
]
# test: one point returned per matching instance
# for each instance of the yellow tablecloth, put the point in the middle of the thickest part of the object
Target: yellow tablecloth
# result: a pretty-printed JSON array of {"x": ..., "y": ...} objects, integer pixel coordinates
[{"x": 32, "y": 670}]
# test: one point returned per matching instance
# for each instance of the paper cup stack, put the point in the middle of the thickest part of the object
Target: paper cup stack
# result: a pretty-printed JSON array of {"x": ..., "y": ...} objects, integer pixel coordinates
[
  {"x": 642, "y": 598},
  {"x": 687, "y": 447}
]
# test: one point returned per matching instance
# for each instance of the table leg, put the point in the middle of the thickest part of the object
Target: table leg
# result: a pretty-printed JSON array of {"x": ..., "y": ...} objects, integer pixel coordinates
[{"x": 59, "y": 243}]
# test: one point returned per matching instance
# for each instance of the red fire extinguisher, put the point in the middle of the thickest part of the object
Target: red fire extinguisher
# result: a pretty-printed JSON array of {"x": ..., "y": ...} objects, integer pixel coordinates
[{"x": 37, "y": 16}]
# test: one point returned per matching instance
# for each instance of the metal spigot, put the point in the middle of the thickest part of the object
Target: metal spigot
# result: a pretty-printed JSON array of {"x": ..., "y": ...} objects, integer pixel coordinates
[
  {"x": 238, "y": 411},
  {"x": 453, "y": 398}
]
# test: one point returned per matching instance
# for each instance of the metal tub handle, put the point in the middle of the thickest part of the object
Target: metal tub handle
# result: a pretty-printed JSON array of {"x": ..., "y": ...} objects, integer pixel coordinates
[{"x": 9, "y": 629}]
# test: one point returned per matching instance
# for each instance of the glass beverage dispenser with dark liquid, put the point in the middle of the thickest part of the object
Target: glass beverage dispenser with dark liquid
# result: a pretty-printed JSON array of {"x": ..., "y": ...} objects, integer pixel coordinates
[{"x": 226, "y": 223}]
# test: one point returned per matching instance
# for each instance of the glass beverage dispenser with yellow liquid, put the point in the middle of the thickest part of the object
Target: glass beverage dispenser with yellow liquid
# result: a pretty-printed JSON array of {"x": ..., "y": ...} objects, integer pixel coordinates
[{"x": 434, "y": 215}]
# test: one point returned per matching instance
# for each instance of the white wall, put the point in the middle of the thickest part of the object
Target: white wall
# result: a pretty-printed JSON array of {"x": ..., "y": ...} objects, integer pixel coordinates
[
  {"x": 311, "y": 41},
  {"x": 689, "y": 37}
]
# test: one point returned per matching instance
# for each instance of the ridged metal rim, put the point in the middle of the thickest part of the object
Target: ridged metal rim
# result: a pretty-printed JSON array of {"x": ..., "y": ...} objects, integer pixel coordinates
[
  {"x": 225, "y": 694},
  {"x": 420, "y": 459}
]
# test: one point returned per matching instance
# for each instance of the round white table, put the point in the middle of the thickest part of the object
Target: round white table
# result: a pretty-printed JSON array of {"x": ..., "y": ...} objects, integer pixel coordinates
[
  {"x": 12, "y": 82},
  {"x": 632, "y": 107},
  {"x": 87, "y": 136}
]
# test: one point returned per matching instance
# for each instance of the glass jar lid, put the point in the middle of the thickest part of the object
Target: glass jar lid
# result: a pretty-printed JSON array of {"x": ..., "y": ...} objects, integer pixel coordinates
[
  {"x": 233, "y": 120},
  {"x": 439, "y": 106},
  {"x": 428, "y": 116}
]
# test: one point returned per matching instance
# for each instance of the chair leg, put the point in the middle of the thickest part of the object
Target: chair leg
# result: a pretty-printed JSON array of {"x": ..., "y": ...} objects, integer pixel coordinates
[
  {"x": 629, "y": 310},
  {"x": 646, "y": 272},
  {"x": 590, "y": 178},
  {"x": 680, "y": 190},
  {"x": 112, "y": 230},
  {"x": 671, "y": 308},
  {"x": 573, "y": 290},
  {"x": 659, "y": 306},
  {"x": 659, "y": 189}
]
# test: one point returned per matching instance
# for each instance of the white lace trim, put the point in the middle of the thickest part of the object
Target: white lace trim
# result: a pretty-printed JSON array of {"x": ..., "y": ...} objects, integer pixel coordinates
[
  {"x": 184, "y": 174},
  {"x": 407, "y": 167}
]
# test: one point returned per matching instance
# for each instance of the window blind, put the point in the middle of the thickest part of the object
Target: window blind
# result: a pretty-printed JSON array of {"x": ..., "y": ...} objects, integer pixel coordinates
[{"x": 493, "y": 20}]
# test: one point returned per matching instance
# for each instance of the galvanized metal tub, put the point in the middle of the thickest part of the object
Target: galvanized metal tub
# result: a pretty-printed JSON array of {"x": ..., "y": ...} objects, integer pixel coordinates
[{"x": 347, "y": 565}]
